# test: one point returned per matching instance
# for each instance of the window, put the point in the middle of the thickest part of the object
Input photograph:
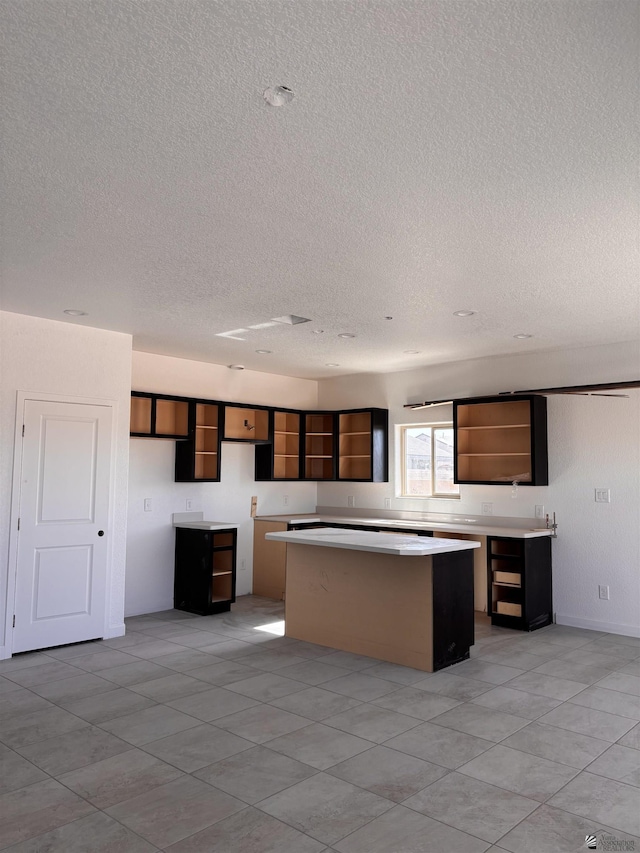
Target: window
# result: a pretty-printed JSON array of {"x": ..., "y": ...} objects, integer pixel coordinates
[{"x": 427, "y": 461}]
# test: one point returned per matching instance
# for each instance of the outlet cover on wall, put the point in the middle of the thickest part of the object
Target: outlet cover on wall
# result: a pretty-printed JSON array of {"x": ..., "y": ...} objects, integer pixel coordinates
[
  {"x": 147, "y": 504},
  {"x": 189, "y": 504},
  {"x": 603, "y": 592},
  {"x": 387, "y": 503},
  {"x": 603, "y": 496},
  {"x": 351, "y": 501},
  {"x": 487, "y": 508},
  {"x": 285, "y": 500},
  {"x": 539, "y": 510}
]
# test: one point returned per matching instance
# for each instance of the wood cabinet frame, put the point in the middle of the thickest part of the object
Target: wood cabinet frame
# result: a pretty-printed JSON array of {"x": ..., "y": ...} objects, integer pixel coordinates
[
  {"x": 162, "y": 412},
  {"x": 501, "y": 440}
]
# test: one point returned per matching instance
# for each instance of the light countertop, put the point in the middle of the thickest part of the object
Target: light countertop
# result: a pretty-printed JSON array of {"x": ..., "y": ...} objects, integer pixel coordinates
[
  {"x": 379, "y": 543},
  {"x": 195, "y": 521},
  {"x": 482, "y": 528}
]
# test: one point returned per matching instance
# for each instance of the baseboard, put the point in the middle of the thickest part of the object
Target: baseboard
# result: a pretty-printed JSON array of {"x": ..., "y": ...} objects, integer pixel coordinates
[
  {"x": 592, "y": 625},
  {"x": 5, "y": 652},
  {"x": 156, "y": 607},
  {"x": 113, "y": 631}
]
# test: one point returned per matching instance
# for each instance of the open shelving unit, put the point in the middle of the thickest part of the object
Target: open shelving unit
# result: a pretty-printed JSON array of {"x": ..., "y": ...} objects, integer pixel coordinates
[
  {"x": 520, "y": 582},
  {"x": 244, "y": 424},
  {"x": 199, "y": 458},
  {"x": 286, "y": 446},
  {"x": 155, "y": 416},
  {"x": 319, "y": 449},
  {"x": 354, "y": 449},
  {"x": 205, "y": 570},
  {"x": 207, "y": 442},
  {"x": 501, "y": 441}
]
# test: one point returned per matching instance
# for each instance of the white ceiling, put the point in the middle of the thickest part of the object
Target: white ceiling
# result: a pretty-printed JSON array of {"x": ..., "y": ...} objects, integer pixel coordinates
[{"x": 438, "y": 155}]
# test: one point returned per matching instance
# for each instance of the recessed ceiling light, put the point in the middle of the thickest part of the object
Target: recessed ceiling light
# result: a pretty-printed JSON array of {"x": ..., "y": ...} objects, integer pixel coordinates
[
  {"x": 331, "y": 364},
  {"x": 522, "y": 336},
  {"x": 264, "y": 351},
  {"x": 346, "y": 335},
  {"x": 278, "y": 96},
  {"x": 412, "y": 352},
  {"x": 464, "y": 313},
  {"x": 73, "y": 312},
  {"x": 235, "y": 366}
]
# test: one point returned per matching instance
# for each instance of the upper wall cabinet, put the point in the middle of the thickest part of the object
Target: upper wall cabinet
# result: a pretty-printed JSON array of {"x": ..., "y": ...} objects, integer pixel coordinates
[
  {"x": 281, "y": 459},
  {"x": 349, "y": 445},
  {"x": 363, "y": 451},
  {"x": 245, "y": 424},
  {"x": 501, "y": 440},
  {"x": 158, "y": 416},
  {"x": 319, "y": 446},
  {"x": 199, "y": 457}
]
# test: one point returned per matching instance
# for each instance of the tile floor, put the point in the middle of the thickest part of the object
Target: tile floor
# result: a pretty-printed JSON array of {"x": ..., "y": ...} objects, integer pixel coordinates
[{"x": 215, "y": 735}]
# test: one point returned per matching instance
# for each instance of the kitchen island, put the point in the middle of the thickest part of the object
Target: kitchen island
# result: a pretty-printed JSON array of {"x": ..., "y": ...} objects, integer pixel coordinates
[{"x": 397, "y": 598}]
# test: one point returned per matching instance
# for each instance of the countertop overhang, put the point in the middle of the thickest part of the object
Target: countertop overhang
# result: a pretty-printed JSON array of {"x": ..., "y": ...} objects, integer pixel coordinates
[{"x": 379, "y": 543}]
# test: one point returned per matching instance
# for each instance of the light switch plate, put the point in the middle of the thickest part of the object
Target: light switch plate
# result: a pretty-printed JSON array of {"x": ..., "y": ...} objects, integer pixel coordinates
[
  {"x": 603, "y": 496},
  {"x": 487, "y": 508}
]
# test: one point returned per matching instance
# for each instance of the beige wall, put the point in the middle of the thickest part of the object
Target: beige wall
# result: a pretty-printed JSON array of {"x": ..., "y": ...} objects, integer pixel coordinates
[{"x": 75, "y": 361}]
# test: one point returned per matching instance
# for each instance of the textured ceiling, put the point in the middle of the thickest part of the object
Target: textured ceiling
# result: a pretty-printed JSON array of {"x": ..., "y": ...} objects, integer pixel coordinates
[{"x": 438, "y": 155}]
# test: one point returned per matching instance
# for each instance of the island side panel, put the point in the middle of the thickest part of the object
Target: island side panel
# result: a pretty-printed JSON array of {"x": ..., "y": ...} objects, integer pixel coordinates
[
  {"x": 453, "y": 621},
  {"x": 377, "y": 605},
  {"x": 480, "y": 602},
  {"x": 269, "y": 560}
]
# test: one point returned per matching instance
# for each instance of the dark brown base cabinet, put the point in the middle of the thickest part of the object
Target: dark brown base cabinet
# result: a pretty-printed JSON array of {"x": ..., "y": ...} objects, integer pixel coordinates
[
  {"x": 501, "y": 440},
  {"x": 520, "y": 594},
  {"x": 205, "y": 570}
]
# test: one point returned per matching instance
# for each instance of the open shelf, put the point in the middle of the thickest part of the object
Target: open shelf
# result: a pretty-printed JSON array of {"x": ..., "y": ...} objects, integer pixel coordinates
[
  {"x": 501, "y": 440},
  {"x": 242, "y": 424},
  {"x": 140, "y": 421},
  {"x": 158, "y": 417},
  {"x": 172, "y": 417}
]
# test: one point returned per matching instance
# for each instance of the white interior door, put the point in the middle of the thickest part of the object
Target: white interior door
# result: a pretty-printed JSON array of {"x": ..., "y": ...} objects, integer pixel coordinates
[{"x": 62, "y": 541}]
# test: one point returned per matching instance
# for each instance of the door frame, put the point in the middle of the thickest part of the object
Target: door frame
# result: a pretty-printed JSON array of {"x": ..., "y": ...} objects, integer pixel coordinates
[{"x": 22, "y": 397}]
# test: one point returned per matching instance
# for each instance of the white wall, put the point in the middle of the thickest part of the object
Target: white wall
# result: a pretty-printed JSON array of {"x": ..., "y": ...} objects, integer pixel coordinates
[
  {"x": 150, "y": 540},
  {"x": 74, "y": 361},
  {"x": 593, "y": 443}
]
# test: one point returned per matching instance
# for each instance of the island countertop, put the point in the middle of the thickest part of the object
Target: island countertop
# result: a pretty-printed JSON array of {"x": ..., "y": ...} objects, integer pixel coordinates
[{"x": 379, "y": 543}]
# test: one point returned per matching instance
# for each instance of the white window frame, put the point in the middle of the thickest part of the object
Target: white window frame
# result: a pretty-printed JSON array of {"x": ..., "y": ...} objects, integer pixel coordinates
[{"x": 403, "y": 456}]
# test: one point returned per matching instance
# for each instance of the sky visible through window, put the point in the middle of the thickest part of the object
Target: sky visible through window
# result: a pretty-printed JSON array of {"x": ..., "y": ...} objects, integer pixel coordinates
[{"x": 428, "y": 461}]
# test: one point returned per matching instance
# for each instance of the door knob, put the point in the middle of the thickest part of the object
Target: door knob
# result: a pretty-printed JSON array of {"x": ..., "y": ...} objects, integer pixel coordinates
[{"x": 100, "y": 532}]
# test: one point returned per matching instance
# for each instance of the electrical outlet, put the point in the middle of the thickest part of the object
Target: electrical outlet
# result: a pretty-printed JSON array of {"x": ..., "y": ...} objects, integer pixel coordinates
[
  {"x": 539, "y": 511},
  {"x": 189, "y": 504},
  {"x": 147, "y": 504},
  {"x": 387, "y": 503},
  {"x": 351, "y": 501},
  {"x": 285, "y": 500},
  {"x": 603, "y": 592},
  {"x": 487, "y": 509},
  {"x": 243, "y": 565},
  {"x": 603, "y": 496}
]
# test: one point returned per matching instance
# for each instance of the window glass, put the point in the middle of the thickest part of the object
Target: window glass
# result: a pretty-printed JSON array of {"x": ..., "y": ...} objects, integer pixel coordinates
[{"x": 427, "y": 461}]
